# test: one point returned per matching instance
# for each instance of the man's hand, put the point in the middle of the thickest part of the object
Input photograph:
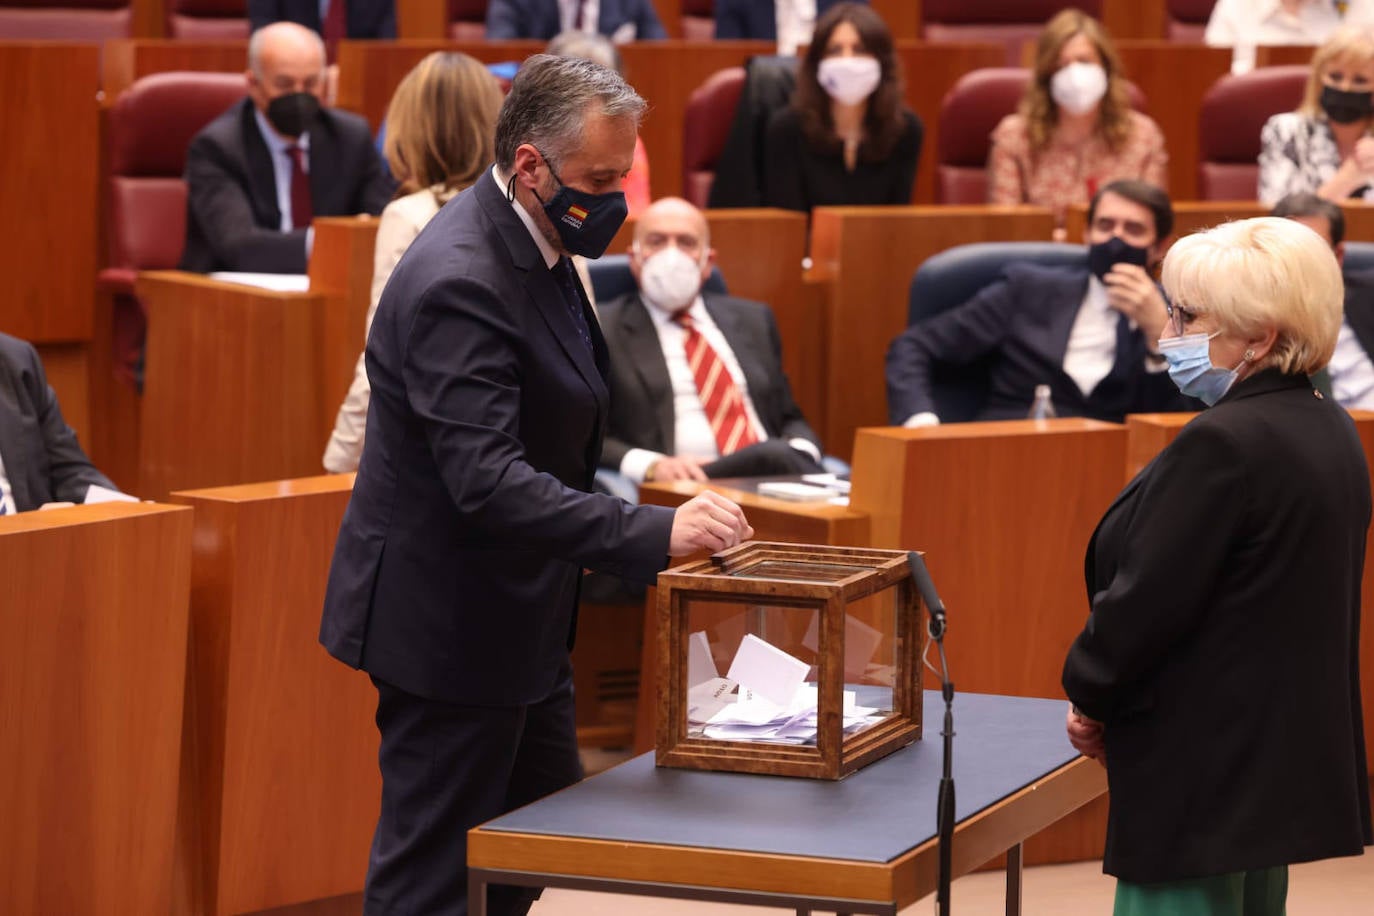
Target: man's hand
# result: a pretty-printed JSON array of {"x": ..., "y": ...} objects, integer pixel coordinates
[
  {"x": 707, "y": 521},
  {"x": 677, "y": 467},
  {"x": 1086, "y": 736},
  {"x": 1132, "y": 293}
]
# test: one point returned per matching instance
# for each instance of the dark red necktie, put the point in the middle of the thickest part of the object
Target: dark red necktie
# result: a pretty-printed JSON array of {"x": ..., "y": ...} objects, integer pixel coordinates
[
  {"x": 335, "y": 26},
  {"x": 302, "y": 211},
  {"x": 580, "y": 17}
]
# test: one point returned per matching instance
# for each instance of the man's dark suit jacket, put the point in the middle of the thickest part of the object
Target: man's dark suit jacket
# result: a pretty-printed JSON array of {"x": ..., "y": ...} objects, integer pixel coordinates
[
  {"x": 1222, "y": 648},
  {"x": 456, "y": 571},
  {"x": 43, "y": 461},
  {"x": 1022, "y": 322},
  {"x": 366, "y": 18},
  {"x": 756, "y": 19},
  {"x": 541, "y": 19},
  {"x": 232, "y": 218},
  {"x": 642, "y": 395}
]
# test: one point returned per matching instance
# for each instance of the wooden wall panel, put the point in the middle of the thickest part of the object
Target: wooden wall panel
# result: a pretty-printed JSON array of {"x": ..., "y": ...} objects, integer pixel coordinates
[{"x": 126, "y": 60}]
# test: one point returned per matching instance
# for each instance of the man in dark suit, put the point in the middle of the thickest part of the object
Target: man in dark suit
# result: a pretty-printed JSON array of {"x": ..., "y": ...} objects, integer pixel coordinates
[
  {"x": 758, "y": 19},
  {"x": 40, "y": 460},
  {"x": 1090, "y": 334},
  {"x": 259, "y": 173},
  {"x": 618, "y": 20},
  {"x": 1349, "y": 377},
  {"x": 458, "y": 564},
  {"x": 661, "y": 425},
  {"x": 351, "y": 18}
]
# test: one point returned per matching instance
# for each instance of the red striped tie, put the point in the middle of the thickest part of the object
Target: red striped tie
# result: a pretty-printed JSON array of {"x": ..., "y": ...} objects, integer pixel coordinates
[{"x": 720, "y": 397}]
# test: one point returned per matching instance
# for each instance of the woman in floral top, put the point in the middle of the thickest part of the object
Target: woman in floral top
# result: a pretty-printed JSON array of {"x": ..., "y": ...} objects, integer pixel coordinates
[
  {"x": 1074, "y": 131},
  {"x": 1325, "y": 147}
]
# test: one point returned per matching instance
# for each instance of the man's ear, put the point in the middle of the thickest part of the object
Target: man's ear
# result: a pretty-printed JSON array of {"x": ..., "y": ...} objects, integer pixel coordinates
[
  {"x": 707, "y": 264},
  {"x": 527, "y": 162}
]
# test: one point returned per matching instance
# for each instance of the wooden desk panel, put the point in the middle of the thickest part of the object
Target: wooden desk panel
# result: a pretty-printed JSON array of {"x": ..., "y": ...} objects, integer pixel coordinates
[
  {"x": 283, "y": 780},
  {"x": 232, "y": 386},
  {"x": 128, "y": 59},
  {"x": 341, "y": 266},
  {"x": 91, "y": 669},
  {"x": 867, "y": 256},
  {"x": 1359, "y": 221},
  {"x": 426, "y": 20},
  {"x": 1174, "y": 78},
  {"x": 1189, "y": 216}
]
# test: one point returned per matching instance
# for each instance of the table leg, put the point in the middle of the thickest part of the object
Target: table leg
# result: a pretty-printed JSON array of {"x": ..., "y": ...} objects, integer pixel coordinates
[
  {"x": 477, "y": 892},
  {"x": 1014, "y": 880}
]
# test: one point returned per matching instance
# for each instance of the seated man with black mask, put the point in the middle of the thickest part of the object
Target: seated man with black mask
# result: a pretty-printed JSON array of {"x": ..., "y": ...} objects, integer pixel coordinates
[
  {"x": 697, "y": 385},
  {"x": 1090, "y": 334}
]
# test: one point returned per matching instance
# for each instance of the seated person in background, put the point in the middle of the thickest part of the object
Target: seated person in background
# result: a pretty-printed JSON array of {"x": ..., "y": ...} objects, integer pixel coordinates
[
  {"x": 789, "y": 22},
  {"x": 258, "y": 174},
  {"x": 599, "y": 50},
  {"x": 40, "y": 460},
  {"x": 1075, "y": 130},
  {"x": 1246, "y": 24},
  {"x": 332, "y": 19},
  {"x": 1090, "y": 334},
  {"x": 442, "y": 122},
  {"x": 1324, "y": 147},
  {"x": 619, "y": 20},
  {"x": 1350, "y": 374},
  {"x": 670, "y": 342},
  {"x": 847, "y": 138}
]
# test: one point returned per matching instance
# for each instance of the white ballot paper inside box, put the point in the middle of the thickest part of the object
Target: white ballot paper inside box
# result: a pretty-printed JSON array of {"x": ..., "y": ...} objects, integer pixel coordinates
[{"x": 767, "y": 671}]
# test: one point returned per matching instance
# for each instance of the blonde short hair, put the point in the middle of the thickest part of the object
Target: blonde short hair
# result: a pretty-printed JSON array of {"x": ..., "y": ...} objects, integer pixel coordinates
[
  {"x": 1253, "y": 274},
  {"x": 441, "y": 124},
  {"x": 1348, "y": 43}
]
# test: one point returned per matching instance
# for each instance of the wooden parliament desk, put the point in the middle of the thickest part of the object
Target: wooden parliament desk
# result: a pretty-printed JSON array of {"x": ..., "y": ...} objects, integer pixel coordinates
[
  {"x": 866, "y": 257},
  {"x": 1124, "y": 18},
  {"x": 125, "y": 60},
  {"x": 48, "y": 176},
  {"x": 1189, "y": 216},
  {"x": 865, "y": 844},
  {"x": 91, "y": 668},
  {"x": 280, "y": 787}
]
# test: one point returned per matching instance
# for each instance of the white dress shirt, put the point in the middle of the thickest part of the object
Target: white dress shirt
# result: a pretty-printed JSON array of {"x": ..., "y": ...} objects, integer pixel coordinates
[
  {"x": 796, "y": 22},
  {"x": 1352, "y": 373},
  {"x": 1246, "y": 24},
  {"x": 6, "y": 497}
]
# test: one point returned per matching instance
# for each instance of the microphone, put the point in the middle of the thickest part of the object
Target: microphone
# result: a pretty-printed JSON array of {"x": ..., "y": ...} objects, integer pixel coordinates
[{"x": 934, "y": 606}]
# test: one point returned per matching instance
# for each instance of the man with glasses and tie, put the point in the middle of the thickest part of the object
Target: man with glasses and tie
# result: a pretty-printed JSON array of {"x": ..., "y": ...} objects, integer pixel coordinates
[
  {"x": 619, "y": 20},
  {"x": 40, "y": 460},
  {"x": 459, "y": 562},
  {"x": 259, "y": 173}
]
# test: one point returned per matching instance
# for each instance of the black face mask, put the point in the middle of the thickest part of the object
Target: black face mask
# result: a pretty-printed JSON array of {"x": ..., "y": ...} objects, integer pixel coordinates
[
  {"x": 1345, "y": 107},
  {"x": 292, "y": 113},
  {"x": 1116, "y": 250},
  {"x": 586, "y": 223}
]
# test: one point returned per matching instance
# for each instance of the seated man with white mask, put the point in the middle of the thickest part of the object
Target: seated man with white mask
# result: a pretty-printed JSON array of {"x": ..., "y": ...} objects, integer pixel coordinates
[{"x": 697, "y": 385}]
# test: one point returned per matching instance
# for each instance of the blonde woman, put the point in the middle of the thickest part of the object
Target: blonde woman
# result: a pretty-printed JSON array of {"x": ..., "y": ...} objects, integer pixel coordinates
[
  {"x": 1075, "y": 131},
  {"x": 1325, "y": 147},
  {"x": 440, "y": 129}
]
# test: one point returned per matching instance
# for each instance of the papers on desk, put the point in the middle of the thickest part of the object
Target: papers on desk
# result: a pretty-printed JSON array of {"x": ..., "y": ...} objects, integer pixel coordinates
[
  {"x": 95, "y": 493},
  {"x": 281, "y": 283}
]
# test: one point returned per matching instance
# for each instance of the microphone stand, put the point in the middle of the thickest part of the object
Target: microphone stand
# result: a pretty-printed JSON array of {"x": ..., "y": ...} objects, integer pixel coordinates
[{"x": 944, "y": 816}]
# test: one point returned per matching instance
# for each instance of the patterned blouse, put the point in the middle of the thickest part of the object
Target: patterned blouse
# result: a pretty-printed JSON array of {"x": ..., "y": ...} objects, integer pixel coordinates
[
  {"x": 1065, "y": 173},
  {"x": 1297, "y": 153}
]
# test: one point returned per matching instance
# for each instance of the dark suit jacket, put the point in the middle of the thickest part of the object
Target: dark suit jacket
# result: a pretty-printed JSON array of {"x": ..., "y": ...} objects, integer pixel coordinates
[
  {"x": 1021, "y": 324},
  {"x": 43, "y": 461},
  {"x": 366, "y": 18},
  {"x": 540, "y": 19},
  {"x": 641, "y": 394},
  {"x": 1222, "y": 647},
  {"x": 232, "y": 218},
  {"x": 756, "y": 19},
  {"x": 456, "y": 570}
]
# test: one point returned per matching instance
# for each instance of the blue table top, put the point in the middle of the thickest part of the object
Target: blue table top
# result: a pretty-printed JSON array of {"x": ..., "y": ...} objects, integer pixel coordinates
[{"x": 1001, "y": 745}]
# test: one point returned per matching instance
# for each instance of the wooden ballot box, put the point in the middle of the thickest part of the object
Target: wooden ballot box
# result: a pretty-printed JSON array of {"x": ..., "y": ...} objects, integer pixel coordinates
[
  {"x": 281, "y": 789},
  {"x": 93, "y": 604},
  {"x": 789, "y": 660}
]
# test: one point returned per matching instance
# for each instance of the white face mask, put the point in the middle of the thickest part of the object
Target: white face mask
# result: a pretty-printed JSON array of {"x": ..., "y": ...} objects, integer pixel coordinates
[
  {"x": 670, "y": 279},
  {"x": 1076, "y": 88},
  {"x": 849, "y": 80}
]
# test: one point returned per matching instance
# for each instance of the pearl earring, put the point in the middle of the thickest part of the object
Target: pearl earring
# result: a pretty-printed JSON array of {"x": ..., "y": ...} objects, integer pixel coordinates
[{"x": 1249, "y": 355}]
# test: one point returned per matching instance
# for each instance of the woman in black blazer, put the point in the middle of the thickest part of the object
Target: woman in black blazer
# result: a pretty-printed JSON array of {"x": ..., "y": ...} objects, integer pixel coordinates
[{"x": 1217, "y": 678}]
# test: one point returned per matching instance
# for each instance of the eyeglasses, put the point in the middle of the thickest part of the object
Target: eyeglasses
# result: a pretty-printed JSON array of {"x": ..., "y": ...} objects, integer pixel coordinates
[{"x": 1180, "y": 316}]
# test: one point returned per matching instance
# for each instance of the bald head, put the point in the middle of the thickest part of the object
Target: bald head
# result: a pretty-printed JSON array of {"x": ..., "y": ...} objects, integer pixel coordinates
[
  {"x": 284, "y": 58},
  {"x": 673, "y": 215}
]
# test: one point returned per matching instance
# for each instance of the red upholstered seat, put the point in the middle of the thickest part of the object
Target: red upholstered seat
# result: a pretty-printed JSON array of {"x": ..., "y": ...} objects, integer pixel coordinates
[
  {"x": 1012, "y": 23},
  {"x": 710, "y": 113},
  {"x": 698, "y": 20},
  {"x": 467, "y": 20},
  {"x": 968, "y": 114},
  {"x": 68, "y": 20},
  {"x": 208, "y": 20},
  {"x": 150, "y": 128},
  {"x": 1187, "y": 19},
  {"x": 1233, "y": 114}
]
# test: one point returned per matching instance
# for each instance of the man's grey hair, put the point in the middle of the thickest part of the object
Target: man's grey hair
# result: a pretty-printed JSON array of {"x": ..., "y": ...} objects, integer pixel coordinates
[
  {"x": 259, "y": 38},
  {"x": 549, "y": 102}
]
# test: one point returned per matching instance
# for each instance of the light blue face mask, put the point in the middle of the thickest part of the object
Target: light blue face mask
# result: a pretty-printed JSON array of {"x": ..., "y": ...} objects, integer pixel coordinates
[{"x": 1190, "y": 366}]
